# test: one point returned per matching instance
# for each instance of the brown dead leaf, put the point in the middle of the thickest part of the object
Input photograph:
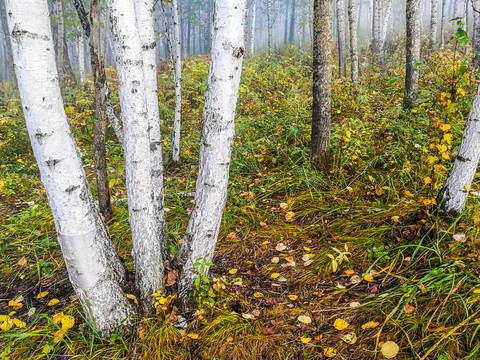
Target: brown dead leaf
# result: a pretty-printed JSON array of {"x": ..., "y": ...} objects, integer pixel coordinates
[
  {"x": 408, "y": 308},
  {"x": 22, "y": 261},
  {"x": 263, "y": 224}
]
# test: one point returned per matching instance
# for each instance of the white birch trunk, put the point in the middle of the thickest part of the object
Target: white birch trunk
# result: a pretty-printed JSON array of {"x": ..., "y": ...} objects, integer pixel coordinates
[
  {"x": 412, "y": 51},
  {"x": 383, "y": 34},
  {"x": 432, "y": 43},
  {"x": 270, "y": 27},
  {"x": 218, "y": 131},
  {"x": 453, "y": 196},
  {"x": 177, "y": 57},
  {"x": 352, "y": 20},
  {"x": 342, "y": 44},
  {"x": 94, "y": 267},
  {"x": 145, "y": 13},
  {"x": 147, "y": 248},
  {"x": 81, "y": 57},
  {"x": 252, "y": 38}
]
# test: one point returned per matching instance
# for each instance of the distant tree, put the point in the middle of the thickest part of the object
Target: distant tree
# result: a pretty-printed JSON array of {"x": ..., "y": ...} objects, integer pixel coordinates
[
  {"x": 322, "y": 75},
  {"x": 432, "y": 43},
  {"x": 11, "y": 69},
  {"x": 453, "y": 196},
  {"x": 383, "y": 31},
  {"x": 442, "y": 23},
  {"x": 476, "y": 32},
  {"x": 353, "y": 41},
  {"x": 413, "y": 52},
  {"x": 270, "y": 27},
  {"x": 342, "y": 43}
]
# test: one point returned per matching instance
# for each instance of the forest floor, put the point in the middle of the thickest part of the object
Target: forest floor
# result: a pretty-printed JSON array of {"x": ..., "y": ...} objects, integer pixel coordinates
[{"x": 346, "y": 265}]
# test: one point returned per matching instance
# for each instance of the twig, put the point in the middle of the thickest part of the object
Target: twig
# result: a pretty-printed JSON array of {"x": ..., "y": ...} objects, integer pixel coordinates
[{"x": 181, "y": 195}]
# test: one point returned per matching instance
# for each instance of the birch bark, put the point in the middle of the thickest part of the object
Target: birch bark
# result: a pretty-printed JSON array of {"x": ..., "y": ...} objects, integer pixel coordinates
[
  {"x": 352, "y": 20},
  {"x": 177, "y": 64},
  {"x": 453, "y": 195},
  {"x": 11, "y": 69},
  {"x": 432, "y": 43},
  {"x": 218, "y": 131},
  {"x": 81, "y": 57},
  {"x": 342, "y": 44},
  {"x": 270, "y": 27},
  {"x": 94, "y": 267},
  {"x": 321, "y": 107},
  {"x": 147, "y": 248},
  {"x": 413, "y": 52},
  {"x": 384, "y": 29},
  {"x": 476, "y": 33},
  {"x": 442, "y": 24},
  {"x": 252, "y": 35}
]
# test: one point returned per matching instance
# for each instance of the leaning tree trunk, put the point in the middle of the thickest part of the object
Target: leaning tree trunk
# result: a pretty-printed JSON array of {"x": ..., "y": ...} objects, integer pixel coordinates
[
  {"x": 177, "y": 64},
  {"x": 453, "y": 195},
  {"x": 352, "y": 21},
  {"x": 11, "y": 68},
  {"x": 218, "y": 131},
  {"x": 413, "y": 52},
  {"x": 94, "y": 267},
  {"x": 342, "y": 43},
  {"x": 145, "y": 13},
  {"x": 147, "y": 248},
  {"x": 384, "y": 29},
  {"x": 270, "y": 27},
  {"x": 432, "y": 43},
  {"x": 321, "y": 107}
]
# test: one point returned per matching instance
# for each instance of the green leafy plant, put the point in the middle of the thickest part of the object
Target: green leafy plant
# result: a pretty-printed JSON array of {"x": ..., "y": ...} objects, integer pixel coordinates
[{"x": 203, "y": 291}]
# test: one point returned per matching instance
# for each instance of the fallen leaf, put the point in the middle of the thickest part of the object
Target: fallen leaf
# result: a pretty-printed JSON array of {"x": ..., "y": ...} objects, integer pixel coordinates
[
  {"x": 275, "y": 260},
  {"x": 283, "y": 205},
  {"x": 390, "y": 349},
  {"x": 350, "y": 338},
  {"x": 280, "y": 247},
  {"x": 232, "y": 271},
  {"x": 263, "y": 224},
  {"x": 258, "y": 295},
  {"x": 22, "y": 261},
  {"x": 266, "y": 242},
  {"x": 408, "y": 308},
  {"x": 439, "y": 328},
  {"x": 355, "y": 304},
  {"x": 58, "y": 318},
  {"x": 53, "y": 302},
  {"x": 19, "y": 324},
  {"x": 15, "y": 304},
  {"x": 67, "y": 322},
  {"x": 349, "y": 272},
  {"x": 340, "y": 324},
  {"x": 256, "y": 313},
  {"x": 368, "y": 278},
  {"x": 132, "y": 297},
  {"x": 192, "y": 336},
  {"x": 305, "y": 257},
  {"x": 329, "y": 352},
  {"x": 248, "y": 316},
  {"x": 31, "y": 311},
  {"x": 42, "y": 294},
  {"x": 459, "y": 237},
  {"x": 274, "y": 275},
  {"x": 305, "y": 319},
  {"x": 293, "y": 297},
  {"x": 370, "y": 325},
  {"x": 6, "y": 325},
  {"x": 289, "y": 216},
  {"x": 305, "y": 339},
  {"x": 289, "y": 259},
  {"x": 318, "y": 337},
  {"x": 307, "y": 263}
]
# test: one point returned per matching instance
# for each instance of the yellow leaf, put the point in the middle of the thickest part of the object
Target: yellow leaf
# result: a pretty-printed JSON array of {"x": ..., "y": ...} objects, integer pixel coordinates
[
  {"x": 329, "y": 352},
  {"x": 390, "y": 349},
  {"x": 193, "y": 336},
  {"x": 232, "y": 271},
  {"x": 379, "y": 192},
  {"x": 67, "y": 322},
  {"x": 22, "y": 261},
  {"x": 289, "y": 215},
  {"x": 305, "y": 339},
  {"x": 19, "y": 324},
  {"x": 466, "y": 187},
  {"x": 293, "y": 297},
  {"x": 340, "y": 324},
  {"x": 15, "y": 305},
  {"x": 274, "y": 275},
  {"x": 58, "y": 336},
  {"x": 58, "y": 318},
  {"x": 446, "y": 156},
  {"x": 305, "y": 319},
  {"x": 283, "y": 205},
  {"x": 47, "y": 349},
  {"x": 132, "y": 297},
  {"x": 258, "y": 295},
  {"x": 461, "y": 91},
  {"x": 42, "y": 295},
  {"x": 6, "y": 325},
  {"x": 6, "y": 317},
  {"x": 370, "y": 325},
  {"x": 368, "y": 278},
  {"x": 53, "y": 302},
  {"x": 409, "y": 194},
  {"x": 427, "y": 180}
]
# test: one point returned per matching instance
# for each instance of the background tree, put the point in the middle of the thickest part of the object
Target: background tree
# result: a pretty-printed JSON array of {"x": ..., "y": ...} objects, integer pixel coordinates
[
  {"x": 413, "y": 52},
  {"x": 322, "y": 74},
  {"x": 352, "y": 21},
  {"x": 11, "y": 69},
  {"x": 342, "y": 43},
  {"x": 432, "y": 43}
]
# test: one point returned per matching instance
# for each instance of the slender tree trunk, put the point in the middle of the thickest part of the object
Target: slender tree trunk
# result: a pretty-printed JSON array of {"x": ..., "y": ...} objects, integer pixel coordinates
[
  {"x": 353, "y": 42},
  {"x": 270, "y": 27},
  {"x": 476, "y": 33},
  {"x": 145, "y": 13},
  {"x": 442, "y": 24},
  {"x": 218, "y": 130},
  {"x": 177, "y": 64},
  {"x": 11, "y": 69},
  {"x": 455, "y": 8},
  {"x": 189, "y": 24},
  {"x": 94, "y": 267},
  {"x": 81, "y": 57},
  {"x": 377, "y": 12},
  {"x": 432, "y": 43},
  {"x": 321, "y": 108},
  {"x": 453, "y": 195},
  {"x": 291, "y": 38},
  {"x": 60, "y": 36},
  {"x": 413, "y": 52},
  {"x": 252, "y": 38},
  {"x": 342, "y": 44},
  {"x": 384, "y": 29},
  {"x": 147, "y": 247},
  {"x": 285, "y": 36}
]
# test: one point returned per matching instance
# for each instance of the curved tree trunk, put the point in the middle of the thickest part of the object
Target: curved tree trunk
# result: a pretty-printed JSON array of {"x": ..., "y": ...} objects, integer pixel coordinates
[
  {"x": 147, "y": 248},
  {"x": 453, "y": 195},
  {"x": 413, "y": 52},
  {"x": 218, "y": 131},
  {"x": 353, "y": 41},
  {"x": 322, "y": 76},
  {"x": 94, "y": 267}
]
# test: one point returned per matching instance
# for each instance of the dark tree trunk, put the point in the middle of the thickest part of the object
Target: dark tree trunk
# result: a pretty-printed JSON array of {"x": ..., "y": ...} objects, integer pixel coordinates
[
  {"x": 291, "y": 39},
  {"x": 322, "y": 75}
]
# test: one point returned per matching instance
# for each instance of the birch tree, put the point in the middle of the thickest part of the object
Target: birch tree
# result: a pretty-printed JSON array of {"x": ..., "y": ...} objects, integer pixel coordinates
[
  {"x": 442, "y": 23},
  {"x": 321, "y": 107},
  {"x": 218, "y": 130},
  {"x": 453, "y": 196},
  {"x": 147, "y": 247},
  {"x": 413, "y": 52},
  {"x": 177, "y": 64},
  {"x": 252, "y": 35},
  {"x": 94, "y": 267},
  {"x": 352, "y": 21},
  {"x": 432, "y": 43},
  {"x": 383, "y": 32},
  {"x": 270, "y": 27},
  {"x": 11, "y": 69},
  {"x": 476, "y": 32},
  {"x": 342, "y": 44}
]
